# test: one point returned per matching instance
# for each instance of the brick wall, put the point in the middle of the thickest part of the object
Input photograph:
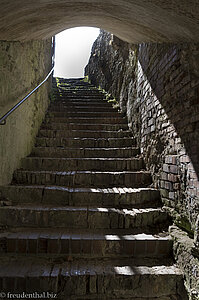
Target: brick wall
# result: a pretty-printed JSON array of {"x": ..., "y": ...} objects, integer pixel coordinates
[
  {"x": 168, "y": 103},
  {"x": 158, "y": 87}
]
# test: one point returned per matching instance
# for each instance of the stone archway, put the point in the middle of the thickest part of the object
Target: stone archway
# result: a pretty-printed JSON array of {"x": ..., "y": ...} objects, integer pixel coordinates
[{"x": 133, "y": 21}]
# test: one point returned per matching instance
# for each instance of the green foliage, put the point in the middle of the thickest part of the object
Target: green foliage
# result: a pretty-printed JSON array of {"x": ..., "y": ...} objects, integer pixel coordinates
[
  {"x": 109, "y": 98},
  {"x": 86, "y": 79},
  {"x": 57, "y": 82},
  {"x": 184, "y": 224}
]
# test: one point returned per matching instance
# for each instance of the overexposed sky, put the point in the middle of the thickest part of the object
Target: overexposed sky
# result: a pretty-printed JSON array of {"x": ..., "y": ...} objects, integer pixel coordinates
[{"x": 72, "y": 51}]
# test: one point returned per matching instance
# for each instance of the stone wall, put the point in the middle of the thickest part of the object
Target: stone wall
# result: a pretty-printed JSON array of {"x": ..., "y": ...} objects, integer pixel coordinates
[
  {"x": 22, "y": 67},
  {"x": 157, "y": 85}
]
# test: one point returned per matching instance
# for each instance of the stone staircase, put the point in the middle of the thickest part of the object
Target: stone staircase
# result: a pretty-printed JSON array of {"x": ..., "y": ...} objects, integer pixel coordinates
[{"x": 80, "y": 219}]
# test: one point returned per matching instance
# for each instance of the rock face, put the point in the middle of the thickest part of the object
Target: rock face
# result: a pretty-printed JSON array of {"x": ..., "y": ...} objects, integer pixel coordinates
[
  {"x": 156, "y": 85},
  {"x": 22, "y": 67},
  {"x": 134, "y": 21},
  {"x": 112, "y": 66}
]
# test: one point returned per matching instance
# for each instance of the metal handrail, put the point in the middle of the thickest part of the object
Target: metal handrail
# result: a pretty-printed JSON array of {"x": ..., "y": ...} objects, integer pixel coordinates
[{"x": 3, "y": 119}]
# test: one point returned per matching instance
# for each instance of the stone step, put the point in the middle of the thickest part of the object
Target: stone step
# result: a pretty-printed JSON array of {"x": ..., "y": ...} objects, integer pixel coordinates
[
  {"x": 78, "y": 87},
  {"x": 62, "y": 195},
  {"x": 96, "y": 120},
  {"x": 91, "y": 279},
  {"x": 81, "y": 217},
  {"x": 81, "y": 164},
  {"x": 82, "y": 90},
  {"x": 69, "y": 83},
  {"x": 64, "y": 82},
  {"x": 72, "y": 81},
  {"x": 83, "y": 103},
  {"x": 74, "y": 108},
  {"x": 85, "y": 142},
  {"x": 85, "y": 152},
  {"x": 84, "y": 114},
  {"x": 88, "y": 243},
  {"x": 82, "y": 87},
  {"x": 83, "y": 133},
  {"x": 82, "y": 98},
  {"x": 75, "y": 82},
  {"x": 82, "y": 95},
  {"x": 83, "y": 178},
  {"x": 81, "y": 126}
]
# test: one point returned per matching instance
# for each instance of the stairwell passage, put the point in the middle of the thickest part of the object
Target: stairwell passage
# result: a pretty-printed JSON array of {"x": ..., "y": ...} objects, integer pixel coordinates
[{"x": 81, "y": 218}]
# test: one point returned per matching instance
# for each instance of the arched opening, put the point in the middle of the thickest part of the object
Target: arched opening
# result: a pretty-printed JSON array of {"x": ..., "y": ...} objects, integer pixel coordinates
[{"x": 72, "y": 51}]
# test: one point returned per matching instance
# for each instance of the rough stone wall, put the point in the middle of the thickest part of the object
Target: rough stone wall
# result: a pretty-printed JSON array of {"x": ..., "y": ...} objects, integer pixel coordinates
[
  {"x": 158, "y": 87},
  {"x": 22, "y": 67},
  {"x": 112, "y": 66}
]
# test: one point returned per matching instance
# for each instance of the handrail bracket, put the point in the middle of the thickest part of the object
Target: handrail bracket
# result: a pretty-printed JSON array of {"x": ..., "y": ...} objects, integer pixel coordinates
[{"x": 3, "y": 122}]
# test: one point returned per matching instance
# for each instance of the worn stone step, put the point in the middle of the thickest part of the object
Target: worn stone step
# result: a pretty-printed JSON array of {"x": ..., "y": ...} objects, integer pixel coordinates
[
  {"x": 73, "y": 164},
  {"x": 83, "y": 99},
  {"x": 86, "y": 142},
  {"x": 91, "y": 279},
  {"x": 83, "y": 178},
  {"x": 96, "y": 120},
  {"x": 81, "y": 94},
  {"x": 81, "y": 217},
  {"x": 75, "y": 82},
  {"x": 75, "y": 107},
  {"x": 61, "y": 195},
  {"x": 83, "y": 133},
  {"x": 79, "y": 87},
  {"x": 84, "y": 114},
  {"x": 69, "y": 82},
  {"x": 72, "y": 81},
  {"x": 88, "y": 243},
  {"x": 86, "y": 103},
  {"x": 82, "y": 89},
  {"x": 85, "y": 152},
  {"x": 81, "y": 126}
]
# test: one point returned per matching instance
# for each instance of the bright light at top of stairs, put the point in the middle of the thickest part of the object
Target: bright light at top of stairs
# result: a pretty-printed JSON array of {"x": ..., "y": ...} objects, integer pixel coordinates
[{"x": 72, "y": 51}]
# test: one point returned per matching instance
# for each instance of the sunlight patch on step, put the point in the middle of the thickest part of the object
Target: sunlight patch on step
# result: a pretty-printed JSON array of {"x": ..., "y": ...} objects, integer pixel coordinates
[
  {"x": 101, "y": 209},
  {"x": 110, "y": 237},
  {"x": 126, "y": 270},
  {"x": 95, "y": 190}
]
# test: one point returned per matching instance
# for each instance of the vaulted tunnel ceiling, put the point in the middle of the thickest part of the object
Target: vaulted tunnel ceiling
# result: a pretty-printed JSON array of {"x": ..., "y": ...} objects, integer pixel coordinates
[{"x": 132, "y": 20}]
